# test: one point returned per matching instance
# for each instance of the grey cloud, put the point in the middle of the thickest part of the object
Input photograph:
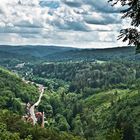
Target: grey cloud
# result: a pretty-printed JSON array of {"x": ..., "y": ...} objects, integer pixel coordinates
[
  {"x": 55, "y": 35},
  {"x": 109, "y": 14},
  {"x": 102, "y": 6},
  {"x": 32, "y": 35},
  {"x": 97, "y": 5},
  {"x": 20, "y": 30},
  {"x": 73, "y": 3},
  {"x": 52, "y": 4},
  {"x": 71, "y": 25},
  {"x": 27, "y": 23},
  {"x": 80, "y": 11},
  {"x": 73, "y": 18},
  {"x": 78, "y": 26},
  {"x": 105, "y": 19},
  {"x": 1, "y": 11}
]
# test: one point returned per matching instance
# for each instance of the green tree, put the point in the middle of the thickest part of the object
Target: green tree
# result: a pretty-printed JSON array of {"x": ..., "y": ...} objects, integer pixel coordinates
[
  {"x": 114, "y": 134},
  {"x": 6, "y": 135},
  {"x": 62, "y": 123},
  {"x": 132, "y": 11},
  {"x": 78, "y": 127}
]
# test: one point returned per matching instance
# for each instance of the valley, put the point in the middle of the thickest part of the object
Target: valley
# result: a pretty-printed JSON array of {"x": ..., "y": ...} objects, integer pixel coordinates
[
  {"x": 90, "y": 96},
  {"x": 32, "y": 108},
  {"x": 70, "y": 70}
]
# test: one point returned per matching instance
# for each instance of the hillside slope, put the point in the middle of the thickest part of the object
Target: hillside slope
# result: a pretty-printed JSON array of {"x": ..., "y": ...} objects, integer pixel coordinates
[
  {"x": 116, "y": 112},
  {"x": 14, "y": 94},
  {"x": 96, "y": 100}
]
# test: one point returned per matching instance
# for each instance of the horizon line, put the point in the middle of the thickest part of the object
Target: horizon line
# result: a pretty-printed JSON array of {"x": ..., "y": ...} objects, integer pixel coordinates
[{"x": 65, "y": 46}]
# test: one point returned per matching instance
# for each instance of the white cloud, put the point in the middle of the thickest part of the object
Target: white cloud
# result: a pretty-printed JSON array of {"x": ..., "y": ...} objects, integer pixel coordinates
[{"x": 65, "y": 22}]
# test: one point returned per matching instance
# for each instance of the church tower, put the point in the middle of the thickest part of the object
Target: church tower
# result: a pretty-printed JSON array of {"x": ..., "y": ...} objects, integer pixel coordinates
[{"x": 42, "y": 124}]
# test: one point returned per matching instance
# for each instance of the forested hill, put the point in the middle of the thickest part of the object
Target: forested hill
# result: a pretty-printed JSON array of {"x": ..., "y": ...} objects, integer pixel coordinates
[
  {"x": 84, "y": 98},
  {"x": 113, "y": 111},
  {"x": 54, "y": 53},
  {"x": 35, "y": 51},
  {"x": 14, "y": 94}
]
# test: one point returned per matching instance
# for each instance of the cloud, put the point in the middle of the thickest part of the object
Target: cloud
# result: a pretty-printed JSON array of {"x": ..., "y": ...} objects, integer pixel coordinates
[
  {"x": 51, "y": 4},
  {"x": 102, "y": 6},
  {"x": 103, "y": 19},
  {"x": 64, "y": 22},
  {"x": 73, "y": 3}
]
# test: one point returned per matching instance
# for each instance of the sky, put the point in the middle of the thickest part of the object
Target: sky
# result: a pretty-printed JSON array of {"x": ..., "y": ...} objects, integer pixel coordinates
[{"x": 74, "y": 23}]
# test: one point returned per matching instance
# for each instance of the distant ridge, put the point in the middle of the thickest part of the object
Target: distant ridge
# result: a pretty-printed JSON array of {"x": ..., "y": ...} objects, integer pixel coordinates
[{"x": 62, "y": 53}]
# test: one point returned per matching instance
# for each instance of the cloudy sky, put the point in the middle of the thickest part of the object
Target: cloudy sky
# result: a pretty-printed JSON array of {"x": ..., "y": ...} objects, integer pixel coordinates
[{"x": 77, "y": 23}]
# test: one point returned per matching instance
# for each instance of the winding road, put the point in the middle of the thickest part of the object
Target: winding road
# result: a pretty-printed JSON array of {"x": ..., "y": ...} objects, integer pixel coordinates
[{"x": 32, "y": 108}]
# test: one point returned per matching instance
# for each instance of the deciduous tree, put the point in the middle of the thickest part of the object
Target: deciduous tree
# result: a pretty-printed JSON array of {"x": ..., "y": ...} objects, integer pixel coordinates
[{"x": 131, "y": 10}]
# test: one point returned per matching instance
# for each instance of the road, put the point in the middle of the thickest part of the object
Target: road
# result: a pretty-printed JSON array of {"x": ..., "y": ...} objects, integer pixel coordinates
[{"x": 32, "y": 108}]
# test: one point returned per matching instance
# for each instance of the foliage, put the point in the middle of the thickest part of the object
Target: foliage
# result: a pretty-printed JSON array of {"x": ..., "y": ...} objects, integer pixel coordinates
[
  {"x": 90, "y": 77},
  {"x": 14, "y": 93},
  {"x": 103, "y": 104},
  {"x": 16, "y": 129},
  {"x": 132, "y": 11}
]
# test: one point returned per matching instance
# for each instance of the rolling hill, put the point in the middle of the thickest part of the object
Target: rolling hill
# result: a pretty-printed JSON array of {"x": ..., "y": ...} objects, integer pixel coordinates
[
  {"x": 14, "y": 94},
  {"x": 55, "y": 53}
]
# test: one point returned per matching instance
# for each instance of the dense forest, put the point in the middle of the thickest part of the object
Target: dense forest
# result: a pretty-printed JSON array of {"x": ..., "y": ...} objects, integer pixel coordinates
[
  {"x": 96, "y": 100},
  {"x": 67, "y": 93},
  {"x": 14, "y": 94},
  {"x": 13, "y": 55},
  {"x": 93, "y": 99}
]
